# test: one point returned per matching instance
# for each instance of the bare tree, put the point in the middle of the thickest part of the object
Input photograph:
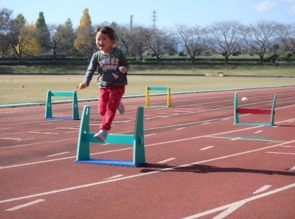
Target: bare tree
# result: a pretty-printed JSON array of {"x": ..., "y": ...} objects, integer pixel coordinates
[
  {"x": 224, "y": 37},
  {"x": 287, "y": 35},
  {"x": 260, "y": 36},
  {"x": 125, "y": 38},
  {"x": 193, "y": 39},
  {"x": 157, "y": 42},
  {"x": 139, "y": 41}
]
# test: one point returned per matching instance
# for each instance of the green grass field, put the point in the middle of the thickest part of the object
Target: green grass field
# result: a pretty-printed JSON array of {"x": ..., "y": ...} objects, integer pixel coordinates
[{"x": 36, "y": 86}]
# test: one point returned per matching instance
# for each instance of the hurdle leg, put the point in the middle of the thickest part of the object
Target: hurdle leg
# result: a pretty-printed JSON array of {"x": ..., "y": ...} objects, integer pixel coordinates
[
  {"x": 147, "y": 98},
  {"x": 168, "y": 97},
  {"x": 75, "y": 109},
  {"x": 236, "y": 115},
  {"x": 83, "y": 147},
  {"x": 138, "y": 145},
  {"x": 48, "y": 107},
  {"x": 272, "y": 119}
]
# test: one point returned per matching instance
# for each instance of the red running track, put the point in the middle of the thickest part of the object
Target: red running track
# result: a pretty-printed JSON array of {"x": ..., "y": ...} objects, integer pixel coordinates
[{"x": 200, "y": 165}]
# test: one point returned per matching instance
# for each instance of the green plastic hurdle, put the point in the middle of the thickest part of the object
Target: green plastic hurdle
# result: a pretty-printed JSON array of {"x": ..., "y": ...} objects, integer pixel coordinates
[
  {"x": 48, "y": 106},
  {"x": 137, "y": 140},
  {"x": 148, "y": 89},
  {"x": 238, "y": 111}
]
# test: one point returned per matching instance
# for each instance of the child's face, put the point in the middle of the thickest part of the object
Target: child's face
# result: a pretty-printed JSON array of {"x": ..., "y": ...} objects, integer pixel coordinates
[{"x": 103, "y": 42}]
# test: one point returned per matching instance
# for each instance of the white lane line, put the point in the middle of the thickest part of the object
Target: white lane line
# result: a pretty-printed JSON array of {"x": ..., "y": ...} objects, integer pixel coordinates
[
  {"x": 72, "y": 132},
  {"x": 52, "y": 155},
  {"x": 205, "y": 123},
  {"x": 167, "y": 160},
  {"x": 124, "y": 149},
  {"x": 44, "y": 133},
  {"x": 5, "y": 128},
  {"x": 206, "y": 148},
  {"x": 292, "y": 169},
  {"x": 234, "y": 139},
  {"x": 288, "y": 146},
  {"x": 116, "y": 176},
  {"x": 150, "y": 135},
  {"x": 139, "y": 174},
  {"x": 229, "y": 208},
  {"x": 262, "y": 189},
  {"x": 283, "y": 153},
  {"x": 25, "y": 205},
  {"x": 258, "y": 131},
  {"x": 180, "y": 128},
  {"x": 47, "y": 123},
  {"x": 68, "y": 128},
  {"x": 14, "y": 139}
]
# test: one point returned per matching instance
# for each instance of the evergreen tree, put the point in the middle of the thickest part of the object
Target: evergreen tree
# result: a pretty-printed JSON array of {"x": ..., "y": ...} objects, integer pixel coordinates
[
  {"x": 64, "y": 37},
  {"x": 43, "y": 34}
]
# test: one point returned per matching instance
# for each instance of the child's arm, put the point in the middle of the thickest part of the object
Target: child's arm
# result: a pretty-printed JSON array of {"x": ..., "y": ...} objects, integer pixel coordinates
[
  {"x": 90, "y": 71},
  {"x": 123, "y": 62}
]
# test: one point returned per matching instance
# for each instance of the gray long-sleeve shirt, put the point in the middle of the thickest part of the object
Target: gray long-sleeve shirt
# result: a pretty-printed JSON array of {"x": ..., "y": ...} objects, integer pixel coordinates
[{"x": 108, "y": 68}]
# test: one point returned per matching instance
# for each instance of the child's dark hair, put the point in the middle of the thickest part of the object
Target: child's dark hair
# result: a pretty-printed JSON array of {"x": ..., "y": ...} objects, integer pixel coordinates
[{"x": 108, "y": 31}]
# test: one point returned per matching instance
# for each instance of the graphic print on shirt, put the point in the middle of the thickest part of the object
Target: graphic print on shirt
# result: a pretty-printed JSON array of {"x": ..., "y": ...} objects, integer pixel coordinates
[{"x": 110, "y": 62}]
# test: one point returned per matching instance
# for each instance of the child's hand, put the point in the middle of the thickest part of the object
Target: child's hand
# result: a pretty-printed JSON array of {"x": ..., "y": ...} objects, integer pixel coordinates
[
  {"x": 123, "y": 70},
  {"x": 82, "y": 86}
]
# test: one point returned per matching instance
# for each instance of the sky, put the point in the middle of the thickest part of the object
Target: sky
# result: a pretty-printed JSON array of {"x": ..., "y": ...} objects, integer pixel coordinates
[{"x": 168, "y": 13}]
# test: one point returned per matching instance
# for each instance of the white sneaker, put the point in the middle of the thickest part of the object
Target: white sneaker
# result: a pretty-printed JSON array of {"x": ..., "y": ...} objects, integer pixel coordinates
[
  {"x": 101, "y": 135},
  {"x": 121, "y": 108}
]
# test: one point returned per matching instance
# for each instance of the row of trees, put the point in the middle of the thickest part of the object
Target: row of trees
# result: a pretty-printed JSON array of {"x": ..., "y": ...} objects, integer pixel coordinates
[{"x": 23, "y": 40}]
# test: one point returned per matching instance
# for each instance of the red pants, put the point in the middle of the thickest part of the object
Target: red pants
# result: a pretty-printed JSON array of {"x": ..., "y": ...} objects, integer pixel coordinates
[{"x": 108, "y": 102}]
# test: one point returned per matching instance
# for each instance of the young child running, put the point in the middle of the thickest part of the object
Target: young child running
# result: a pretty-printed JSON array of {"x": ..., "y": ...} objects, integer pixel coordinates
[{"x": 112, "y": 67}]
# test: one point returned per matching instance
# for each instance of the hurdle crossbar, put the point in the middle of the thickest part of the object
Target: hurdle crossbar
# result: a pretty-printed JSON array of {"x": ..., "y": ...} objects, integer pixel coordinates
[
  {"x": 148, "y": 89},
  {"x": 238, "y": 111},
  {"x": 137, "y": 140},
  {"x": 48, "y": 105}
]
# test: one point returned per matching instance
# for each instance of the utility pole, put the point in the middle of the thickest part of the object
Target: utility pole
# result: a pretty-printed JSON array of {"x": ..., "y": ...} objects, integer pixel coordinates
[
  {"x": 154, "y": 18},
  {"x": 131, "y": 22}
]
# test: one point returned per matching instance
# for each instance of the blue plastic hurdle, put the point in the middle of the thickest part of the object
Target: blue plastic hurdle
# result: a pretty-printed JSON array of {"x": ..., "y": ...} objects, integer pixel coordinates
[
  {"x": 48, "y": 105},
  {"x": 137, "y": 140},
  {"x": 238, "y": 110}
]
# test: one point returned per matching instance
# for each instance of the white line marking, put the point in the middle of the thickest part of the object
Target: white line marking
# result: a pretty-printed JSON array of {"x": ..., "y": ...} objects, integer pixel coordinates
[
  {"x": 206, "y": 148},
  {"x": 273, "y": 152},
  {"x": 180, "y": 128},
  {"x": 292, "y": 169},
  {"x": 258, "y": 131},
  {"x": 235, "y": 205},
  {"x": 116, "y": 176},
  {"x": 70, "y": 128},
  {"x": 150, "y": 135},
  {"x": 14, "y": 139},
  {"x": 45, "y": 133},
  {"x": 123, "y": 149},
  {"x": 167, "y": 160},
  {"x": 136, "y": 175},
  {"x": 205, "y": 123},
  {"x": 47, "y": 123},
  {"x": 25, "y": 205},
  {"x": 72, "y": 132},
  {"x": 5, "y": 128},
  {"x": 233, "y": 139},
  {"x": 52, "y": 155},
  {"x": 262, "y": 189}
]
